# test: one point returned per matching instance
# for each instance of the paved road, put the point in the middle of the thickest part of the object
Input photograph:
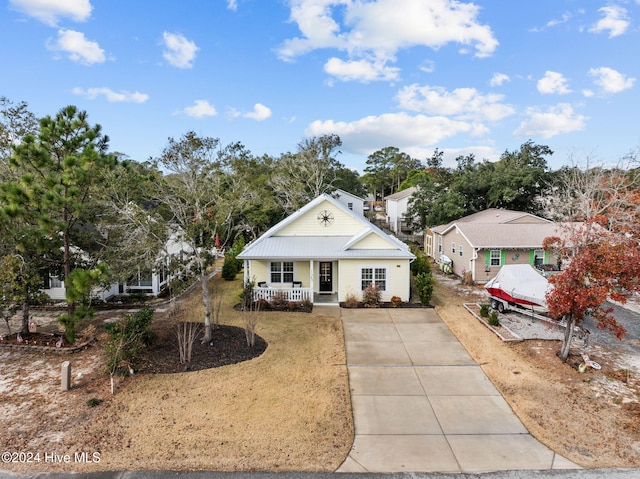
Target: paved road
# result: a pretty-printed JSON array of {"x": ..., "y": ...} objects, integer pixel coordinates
[
  {"x": 549, "y": 474},
  {"x": 630, "y": 344}
]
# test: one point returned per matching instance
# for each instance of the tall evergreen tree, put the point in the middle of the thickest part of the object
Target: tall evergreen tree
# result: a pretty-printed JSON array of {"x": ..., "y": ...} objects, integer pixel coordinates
[{"x": 56, "y": 171}]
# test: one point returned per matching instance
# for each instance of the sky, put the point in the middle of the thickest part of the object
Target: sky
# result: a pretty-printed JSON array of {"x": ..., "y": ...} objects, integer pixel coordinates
[{"x": 478, "y": 77}]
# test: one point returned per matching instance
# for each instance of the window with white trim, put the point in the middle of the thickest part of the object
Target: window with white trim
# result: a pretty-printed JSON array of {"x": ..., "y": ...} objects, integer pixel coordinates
[
  {"x": 377, "y": 276},
  {"x": 55, "y": 282},
  {"x": 538, "y": 257},
  {"x": 439, "y": 244},
  {"x": 460, "y": 250},
  {"x": 495, "y": 257},
  {"x": 281, "y": 272},
  {"x": 453, "y": 248}
]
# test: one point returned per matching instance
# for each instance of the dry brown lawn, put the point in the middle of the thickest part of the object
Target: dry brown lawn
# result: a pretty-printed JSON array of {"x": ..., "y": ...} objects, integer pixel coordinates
[
  {"x": 593, "y": 418},
  {"x": 288, "y": 409}
]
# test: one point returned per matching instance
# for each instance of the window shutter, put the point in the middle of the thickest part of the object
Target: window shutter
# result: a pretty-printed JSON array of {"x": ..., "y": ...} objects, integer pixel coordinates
[
  {"x": 532, "y": 256},
  {"x": 488, "y": 257},
  {"x": 503, "y": 257}
]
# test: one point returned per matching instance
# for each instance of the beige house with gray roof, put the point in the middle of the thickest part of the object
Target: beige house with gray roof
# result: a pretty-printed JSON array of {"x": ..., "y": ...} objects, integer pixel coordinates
[{"x": 483, "y": 242}]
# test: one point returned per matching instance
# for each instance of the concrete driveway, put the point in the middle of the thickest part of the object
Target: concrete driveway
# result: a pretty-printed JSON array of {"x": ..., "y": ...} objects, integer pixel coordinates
[{"x": 421, "y": 404}]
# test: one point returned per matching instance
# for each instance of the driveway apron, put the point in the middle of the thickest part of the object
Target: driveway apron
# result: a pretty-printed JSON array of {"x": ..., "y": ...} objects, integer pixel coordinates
[{"x": 422, "y": 404}]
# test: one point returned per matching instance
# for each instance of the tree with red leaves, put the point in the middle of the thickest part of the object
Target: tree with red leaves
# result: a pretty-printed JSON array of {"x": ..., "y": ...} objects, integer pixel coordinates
[{"x": 598, "y": 264}]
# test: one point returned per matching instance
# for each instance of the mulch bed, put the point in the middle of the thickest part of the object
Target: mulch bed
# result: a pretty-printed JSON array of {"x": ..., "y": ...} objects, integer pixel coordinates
[{"x": 229, "y": 347}]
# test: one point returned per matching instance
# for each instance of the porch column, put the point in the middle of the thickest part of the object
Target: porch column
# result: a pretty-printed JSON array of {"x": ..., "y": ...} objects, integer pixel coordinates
[{"x": 311, "y": 275}]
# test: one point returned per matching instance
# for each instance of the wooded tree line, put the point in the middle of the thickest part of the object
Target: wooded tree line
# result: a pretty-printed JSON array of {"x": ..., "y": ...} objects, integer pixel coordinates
[{"x": 72, "y": 208}]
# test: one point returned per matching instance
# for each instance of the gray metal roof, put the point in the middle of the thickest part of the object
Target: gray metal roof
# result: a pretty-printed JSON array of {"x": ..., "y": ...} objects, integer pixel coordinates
[{"x": 315, "y": 247}]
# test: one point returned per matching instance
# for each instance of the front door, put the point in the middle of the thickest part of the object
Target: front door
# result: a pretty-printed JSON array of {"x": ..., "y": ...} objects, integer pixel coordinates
[{"x": 326, "y": 281}]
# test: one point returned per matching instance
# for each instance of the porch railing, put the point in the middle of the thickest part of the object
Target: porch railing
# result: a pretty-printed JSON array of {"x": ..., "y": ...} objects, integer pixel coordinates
[{"x": 290, "y": 294}]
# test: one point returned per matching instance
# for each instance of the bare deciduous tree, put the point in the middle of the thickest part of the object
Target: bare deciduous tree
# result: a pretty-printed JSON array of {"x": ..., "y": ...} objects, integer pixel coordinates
[{"x": 187, "y": 333}]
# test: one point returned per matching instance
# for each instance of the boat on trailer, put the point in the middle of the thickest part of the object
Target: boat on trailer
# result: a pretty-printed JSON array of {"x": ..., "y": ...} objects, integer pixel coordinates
[{"x": 518, "y": 287}]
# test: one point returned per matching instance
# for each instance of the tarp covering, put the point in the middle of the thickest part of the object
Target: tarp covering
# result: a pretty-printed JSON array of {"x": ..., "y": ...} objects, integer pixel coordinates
[{"x": 521, "y": 282}]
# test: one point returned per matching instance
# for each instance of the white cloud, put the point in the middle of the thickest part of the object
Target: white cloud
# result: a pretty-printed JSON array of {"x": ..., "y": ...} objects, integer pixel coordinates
[
  {"x": 402, "y": 130},
  {"x": 615, "y": 21},
  {"x": 259, "y": 113},
  {"x": 77, "y": 47},
  {"x": 50, "y": 11},
  {"x": 553, "y": 82},
  {"x": 200, "y": 109},
  {"x": 610, "y": 80},
  {"x": 498, "y": 79},
  {"x": 377, "y": 30},
  {"x": 179, "y": 51},
  {"x": 564, "y": 19},
  {"x": 360, "y": 70},
  {"x": 112, "y": 96},
  {"x": 463, "y": 103},
  {"x": 556, "y": 120},
  {"x": 232, "y": 5}
]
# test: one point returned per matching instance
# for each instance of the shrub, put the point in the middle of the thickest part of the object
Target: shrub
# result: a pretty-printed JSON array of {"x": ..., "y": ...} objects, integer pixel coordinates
[
  {"x": 420, "y": 265},
  {"x": 246, "y": 295},
  {"x": 128, "y": 337},
  {"x": 424, "y": 285},
  {"x": 236, "y": 249},
  {"x": 93, "y": 402},
  {"x": 396, "y": 301},
  {"x": 306, "y": 304},
  {"x": 229, "y": 269},
  {"x": 493, "y": 319},
  {"x": 371, "y": 296},
  {"x": 351, "y": 301},
  {"x": 484, "y": 309},
  {"x": 279, "y": 301}
]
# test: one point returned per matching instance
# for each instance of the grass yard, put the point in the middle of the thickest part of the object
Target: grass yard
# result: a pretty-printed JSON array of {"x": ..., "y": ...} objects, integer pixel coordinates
[{"x": 288, "y": 409}]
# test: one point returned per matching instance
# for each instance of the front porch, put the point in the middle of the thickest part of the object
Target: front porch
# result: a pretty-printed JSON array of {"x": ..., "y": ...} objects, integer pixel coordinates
[{"x": 295, "y": 294}]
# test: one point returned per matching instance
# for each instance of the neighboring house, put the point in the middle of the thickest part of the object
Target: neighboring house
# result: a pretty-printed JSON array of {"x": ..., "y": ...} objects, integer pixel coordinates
[
  {"x": 396, "y": 206},
  {"x": 482, "y": 242},
  {"x": 153, "y": 281},
  {"x": 143, "y": 280},
  {"x": 324, "y": 252},
  {"x": 55, "y": 289},
  {"x": 351, "y": 201}
]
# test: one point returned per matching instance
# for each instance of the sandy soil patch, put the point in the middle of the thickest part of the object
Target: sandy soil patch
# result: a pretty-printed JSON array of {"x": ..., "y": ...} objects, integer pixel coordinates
[{"x": 287, "y": 409}]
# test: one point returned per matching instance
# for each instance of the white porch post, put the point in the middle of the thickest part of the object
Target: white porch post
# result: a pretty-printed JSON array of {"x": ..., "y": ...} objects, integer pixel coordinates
[{"x": 311, "y": 275}]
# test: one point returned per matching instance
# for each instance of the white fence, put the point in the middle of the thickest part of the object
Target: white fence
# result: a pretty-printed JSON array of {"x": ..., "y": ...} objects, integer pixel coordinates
[{"x": 291, "y": 294}]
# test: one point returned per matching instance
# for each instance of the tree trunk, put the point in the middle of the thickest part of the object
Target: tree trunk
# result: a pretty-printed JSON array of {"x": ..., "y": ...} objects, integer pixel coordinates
[
  {"x": 568, "y": 335},
  {"x": 25, "y": 315},
  {"x": 206, "y": 303}
]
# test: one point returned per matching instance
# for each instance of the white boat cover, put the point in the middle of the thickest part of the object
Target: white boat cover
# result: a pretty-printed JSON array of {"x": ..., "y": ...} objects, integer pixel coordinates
[{"x": 521, "y": 281}]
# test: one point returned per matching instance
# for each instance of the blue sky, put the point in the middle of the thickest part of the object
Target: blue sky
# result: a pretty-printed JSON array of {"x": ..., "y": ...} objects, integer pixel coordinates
[{"x": 481, "y": 77}]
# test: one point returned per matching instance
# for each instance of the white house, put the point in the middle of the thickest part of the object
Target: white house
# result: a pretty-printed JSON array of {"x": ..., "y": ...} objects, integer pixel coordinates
[
  {"x": 153, "y": 281},
  {"x": 325, "y": 252},
  {"x": 143, "y": 280},
  {"x": 396, "y": 206},
  {"x": 351, "y": 201}
]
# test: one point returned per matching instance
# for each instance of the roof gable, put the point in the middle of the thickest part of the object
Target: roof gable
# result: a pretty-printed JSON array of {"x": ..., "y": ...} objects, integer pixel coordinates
[
  {"x": 346, "y": 228},
  {"x": 368, "y": 239},
  {"x": 401, "y": 194}
]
